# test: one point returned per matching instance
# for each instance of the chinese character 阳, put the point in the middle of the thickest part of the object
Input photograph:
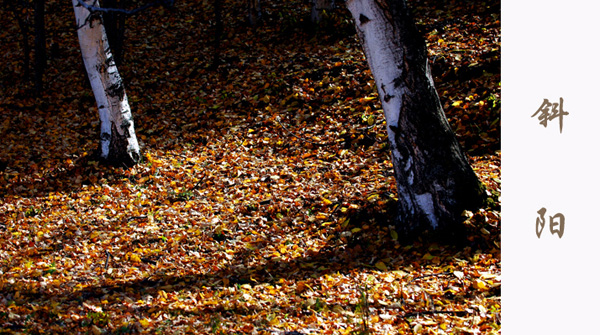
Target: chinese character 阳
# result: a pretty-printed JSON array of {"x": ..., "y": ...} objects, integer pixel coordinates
[{"x": 556, "y": 226}]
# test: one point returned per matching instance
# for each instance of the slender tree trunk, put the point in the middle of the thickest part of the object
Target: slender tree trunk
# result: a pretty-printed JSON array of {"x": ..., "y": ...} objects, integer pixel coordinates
[
  {"x": 114, "y": 24},
  {"x": 40, "y": 44},
  {"x": 118, "y": 143},
  {"x": 25, "y": 39},
  {"x": 254, "y": 12},
  {"x": 218, "y": 7},
  {"x": 434, "y": 179},
  {"x": 317, "y": 8}
]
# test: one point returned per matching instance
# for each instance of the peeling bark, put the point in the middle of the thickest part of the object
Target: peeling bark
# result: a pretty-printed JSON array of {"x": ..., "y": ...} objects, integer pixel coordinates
[
  {"x": 434, "y": 179},
  {"x": 118, "y": 143}
]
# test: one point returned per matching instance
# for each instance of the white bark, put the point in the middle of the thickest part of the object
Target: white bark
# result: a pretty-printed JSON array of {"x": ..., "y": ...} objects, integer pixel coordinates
[{"x": 118, "y": 142}]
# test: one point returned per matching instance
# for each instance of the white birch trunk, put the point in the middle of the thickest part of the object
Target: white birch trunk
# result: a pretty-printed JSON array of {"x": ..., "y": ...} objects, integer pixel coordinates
[
  {"x": 434, "y": 180},
  {"x": 118, "y": 143}
]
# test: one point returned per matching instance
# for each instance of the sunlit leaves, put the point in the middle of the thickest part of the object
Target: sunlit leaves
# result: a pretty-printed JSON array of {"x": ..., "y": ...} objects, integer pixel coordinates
[{"x": 265, "y": 195}]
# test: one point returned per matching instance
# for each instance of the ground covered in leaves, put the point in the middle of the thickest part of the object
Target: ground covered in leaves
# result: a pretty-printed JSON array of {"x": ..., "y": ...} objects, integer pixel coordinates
[{"x": 264, "y": 200}]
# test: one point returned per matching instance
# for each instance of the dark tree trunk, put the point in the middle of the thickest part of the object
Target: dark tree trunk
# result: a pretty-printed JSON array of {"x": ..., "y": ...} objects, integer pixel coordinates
[
  {"x": 40, "y": 44},
  {"x": 114, "y": 24},
  {"x": 434, "y": 179},
  {"x": 318, "y": 7},
  {"x": 254, "y": 14},
  {"x": 24, "y": 39},
  {"x": 218, "y": 32}
]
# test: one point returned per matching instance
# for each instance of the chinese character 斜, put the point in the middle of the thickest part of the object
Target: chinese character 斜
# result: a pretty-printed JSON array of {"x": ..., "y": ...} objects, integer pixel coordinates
[
  {"x": 549, "y": 111},
  {"x": 556, "y": 220}
]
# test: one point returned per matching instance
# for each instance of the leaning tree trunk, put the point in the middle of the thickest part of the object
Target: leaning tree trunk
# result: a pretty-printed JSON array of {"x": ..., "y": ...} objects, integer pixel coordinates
[
  {"x": 118, "y": 143},
  {"x": 434, "y": 180}
]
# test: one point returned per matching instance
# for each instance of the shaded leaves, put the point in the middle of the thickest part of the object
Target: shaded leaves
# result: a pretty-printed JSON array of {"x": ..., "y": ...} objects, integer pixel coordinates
[{"x": 230, "y": 223}]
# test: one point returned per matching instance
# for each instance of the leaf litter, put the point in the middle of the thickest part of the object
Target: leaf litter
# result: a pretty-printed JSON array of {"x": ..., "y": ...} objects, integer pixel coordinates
[{"x": 263, "y": 203}]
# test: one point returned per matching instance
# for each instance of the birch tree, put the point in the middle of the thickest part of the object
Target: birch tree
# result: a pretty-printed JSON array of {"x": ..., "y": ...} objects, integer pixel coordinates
[
  {"x": 118, "y": 143},
  {"x": 434, "y": 180}
]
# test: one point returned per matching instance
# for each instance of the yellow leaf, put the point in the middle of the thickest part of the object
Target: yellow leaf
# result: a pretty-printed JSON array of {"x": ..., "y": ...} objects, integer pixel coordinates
[
  {"x": 371, "y": 120},
  {"x": 145, "y": 323},
  {"x": 381, "y": 266},
  {"x": 394, "y": 235},
  {"x": 373, "y": 197},
  {"x": 135, "y": 258},
  {"x": 480, "y": 285},
  {"x": 457, "y": 103},
  {"x": 428, "y": 257}
]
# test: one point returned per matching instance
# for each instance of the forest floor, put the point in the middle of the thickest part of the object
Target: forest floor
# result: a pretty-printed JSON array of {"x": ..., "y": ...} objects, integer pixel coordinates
[{"x": 264, "y": 200}]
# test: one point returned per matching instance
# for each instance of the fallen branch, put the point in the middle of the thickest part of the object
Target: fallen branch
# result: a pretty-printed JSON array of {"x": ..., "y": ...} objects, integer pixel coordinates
[
  {"x": 457, "y": 313},
  {"x": 92, "y": 9}
]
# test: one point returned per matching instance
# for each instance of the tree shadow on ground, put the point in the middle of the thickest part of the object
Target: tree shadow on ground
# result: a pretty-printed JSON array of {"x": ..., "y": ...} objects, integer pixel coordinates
[{"x": 344, "y": 254}]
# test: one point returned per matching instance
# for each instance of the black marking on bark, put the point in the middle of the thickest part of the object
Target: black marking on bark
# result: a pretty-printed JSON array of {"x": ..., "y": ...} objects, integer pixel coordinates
[
  {"x": 105, "y": 136},
  {"x": 397, "y": 82},
  {"x": 388, "y": 97},
  {"x": 110, "y": 61},
  {"x": 100, "y": 68},
  {"x": 363, "y": 19},
  {"x": 384, "y": 91},
  {"x": 120, "y": 152},
  {"x": 116, "y": 90},
  {"x": 134, "y": 155},
  {"x": 125, "y": 125}
]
